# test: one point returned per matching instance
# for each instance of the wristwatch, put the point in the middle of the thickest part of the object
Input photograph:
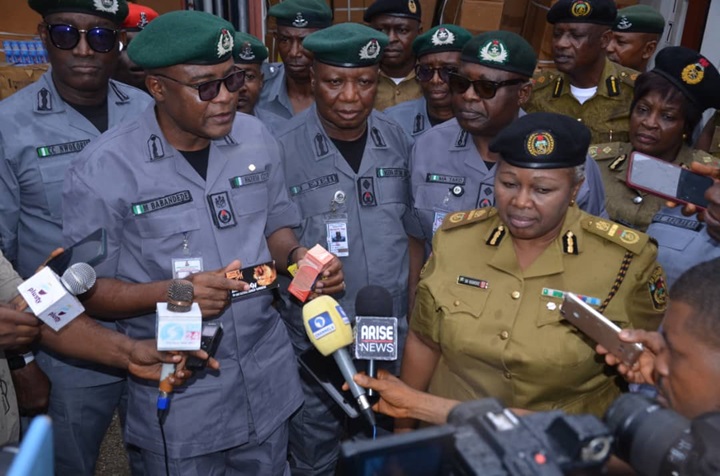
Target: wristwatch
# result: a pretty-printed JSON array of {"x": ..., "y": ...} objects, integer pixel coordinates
[{"x": 18, "y": 361}]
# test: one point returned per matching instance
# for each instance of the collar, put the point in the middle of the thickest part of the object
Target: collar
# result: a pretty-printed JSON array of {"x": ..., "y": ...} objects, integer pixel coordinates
[
  {"x": 323, "y": 145},
  {"x": 410, "y": 76},
  {"x": 48, "y": 101},
  {"x": 609, "y": 79}
]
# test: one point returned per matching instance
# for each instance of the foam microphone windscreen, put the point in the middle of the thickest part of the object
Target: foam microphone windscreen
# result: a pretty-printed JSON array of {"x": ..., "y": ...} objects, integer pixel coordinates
[{"x": 374, "y": 301}]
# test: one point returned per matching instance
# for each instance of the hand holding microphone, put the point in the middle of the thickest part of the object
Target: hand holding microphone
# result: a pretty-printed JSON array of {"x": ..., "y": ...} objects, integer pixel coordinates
[{"x": 329, "y": 330}]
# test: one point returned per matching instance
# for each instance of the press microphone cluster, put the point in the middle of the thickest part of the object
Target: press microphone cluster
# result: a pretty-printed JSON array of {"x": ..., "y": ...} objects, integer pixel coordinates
[
  {"x": 52, "y": 298},
  {"x": 329, "y": 330}
]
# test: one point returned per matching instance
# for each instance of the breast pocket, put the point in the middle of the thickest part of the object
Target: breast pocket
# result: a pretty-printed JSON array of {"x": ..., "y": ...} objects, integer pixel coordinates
[
  {"x": 462, "y": 318},
  {"x": 393, "y": 190},
  {"x": 561, "y": 344},
  {"x": 434, "y": 197},
  {"x": 52, "y": 174},
  {"x": 162, "y": 235},
  {"x": 317, "y": 202},
  {"x": 250, "y": 200}
]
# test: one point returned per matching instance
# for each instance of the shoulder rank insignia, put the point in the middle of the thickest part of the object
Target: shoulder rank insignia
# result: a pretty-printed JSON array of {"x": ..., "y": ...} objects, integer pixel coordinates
[
  {"x": 454, "y": 220},
  {"x": 557, "y": 90},
  {"x": 628, "y": 238},
  {"x": 418, "y": 123},
  {"x": 617, "y": 162},
  {"x": 377, "y": 137},
  {"x": 570, "y": 243},
  {"x": 658, "y": 289},
  {"x": 613, "y": 88},
  {"x": 496, "y": 236}
]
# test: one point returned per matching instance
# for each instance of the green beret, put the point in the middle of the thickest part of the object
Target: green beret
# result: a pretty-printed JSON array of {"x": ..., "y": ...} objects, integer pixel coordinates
[
  {"x": 183, "y": 37},
  {"x": 396, "y": 8},
  {"x": 599, "y": 12},
  {"x": 543, "y": 140},
  {"x": 249, "y": 49},
  {"x": 639, "y": 19},
  {"x": 501, "y": 50},
  {"x": 348, "y": 45},
  {"x": 692, "y": 73},
  {"x": 115, "y": 10},
  {"x": 302, "y": 13},
  {"x": 441, "y": 38}
]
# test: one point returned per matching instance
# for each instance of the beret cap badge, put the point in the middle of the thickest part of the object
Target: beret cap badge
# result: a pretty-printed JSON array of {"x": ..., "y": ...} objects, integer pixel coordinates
[
  {"x": 247, "y": 53},
  {"x": 540, "y": 143},
  {"x": 624, "y": 23},
  {"x": 443, "y": 36},
  {"x": 109, "y": 6},
  {"x": 694, "y": 73},
  {"x": 494, "y": 51},
  {"x": 299, "y": 21},
  {"x": 225, "y": 43},
  {"x": 412, "y": 7},
  {"x": 580, "y": 8},
  {"x": 370, "y": 51}
]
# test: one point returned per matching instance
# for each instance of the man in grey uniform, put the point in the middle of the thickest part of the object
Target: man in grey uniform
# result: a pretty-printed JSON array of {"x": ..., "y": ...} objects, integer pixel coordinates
[
  {"x": 187, "y": 187},
  {"x": 438, "y": 54},
  {"x": 347, "y": 169},
  {"x": 287, "y": 85},
  {"x": 452, "y": 167},
  {"x": 45, "y": 126}
]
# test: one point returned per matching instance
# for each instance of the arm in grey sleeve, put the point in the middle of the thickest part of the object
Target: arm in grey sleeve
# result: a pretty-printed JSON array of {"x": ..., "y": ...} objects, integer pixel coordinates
[
  {"x": 591, "y": 197},
  {"x": 282, "y": 212},
  {"x": 9, "y": 206}
]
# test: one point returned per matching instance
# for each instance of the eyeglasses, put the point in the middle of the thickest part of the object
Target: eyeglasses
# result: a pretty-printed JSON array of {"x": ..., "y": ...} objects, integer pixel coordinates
[
  {"x": 210, "y": 89},
  {"x": 66, "y": 37},
  {"x": 426, "y": 73},
  {"x": 484, "y": 88}
]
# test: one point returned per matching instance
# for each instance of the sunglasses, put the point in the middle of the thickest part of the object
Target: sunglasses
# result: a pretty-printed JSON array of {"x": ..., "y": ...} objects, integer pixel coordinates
[
  {"x": 210, "y": 89},
  {"x": 426, "y": 73},
  {"x": 66, "y": 37},
  {"x": 484, "y": 88}
]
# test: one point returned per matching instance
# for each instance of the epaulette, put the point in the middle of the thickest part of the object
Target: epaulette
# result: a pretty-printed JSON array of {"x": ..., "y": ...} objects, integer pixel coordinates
[
  {"x": 705, "y": 158},
  {"x": 607, "y": 150},
  {"x": 458, "y": 219},
  {"x": 627, "y": 75},
  {"x": 544, "y": 79},
  {"x": 631, "y": 240}
]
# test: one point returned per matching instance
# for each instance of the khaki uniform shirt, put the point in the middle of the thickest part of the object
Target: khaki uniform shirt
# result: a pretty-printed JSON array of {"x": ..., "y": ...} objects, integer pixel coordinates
[
  {"x": 627, "y": 205},
  {"x": 606, "y": 114},
  {"x": 500, "y": 328},
  {"x": 390, "y": 94},
  {"x": 9, "y": 415}
]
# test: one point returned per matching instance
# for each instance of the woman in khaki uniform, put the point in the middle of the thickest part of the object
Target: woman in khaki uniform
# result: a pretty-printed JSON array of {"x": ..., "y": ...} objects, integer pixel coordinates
[
  {"x": 667, "y": 105},
  {"x": 487, "y": 319}
]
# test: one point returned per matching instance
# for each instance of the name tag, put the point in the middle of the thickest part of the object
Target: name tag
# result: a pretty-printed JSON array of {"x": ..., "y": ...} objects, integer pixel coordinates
[
  {"x": 392, "y": 172},
  {"x": 439, "y": 178},
  {"x": 249, "y": 179},
  {"x": 62, "y": 149},
  {"x": 314, "y": 184},
  {"x": 160, "y": 203}
]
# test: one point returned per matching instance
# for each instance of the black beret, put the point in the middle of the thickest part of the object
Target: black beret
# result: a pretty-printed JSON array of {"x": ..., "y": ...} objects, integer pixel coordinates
[
  {"x": 503, "y": 50},
  {"x": 302, "y": 13},
  {"x": 639, "y": 19},
  {"x": 692, "y": 73},
  {"x": 543, "y": 140},
  {"x": 600, "y": 12},
  {"x": 183, "y": 37},
  {"x": 115, "y": 10},
  {"x": 396, "y": 8},
  {"x": 348, "y": 45}
]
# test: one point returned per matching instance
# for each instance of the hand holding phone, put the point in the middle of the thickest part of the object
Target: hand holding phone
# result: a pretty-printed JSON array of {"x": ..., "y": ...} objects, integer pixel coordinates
[
  {"x": 91, "y": 250},
  {"x": 599, "y": 328}
]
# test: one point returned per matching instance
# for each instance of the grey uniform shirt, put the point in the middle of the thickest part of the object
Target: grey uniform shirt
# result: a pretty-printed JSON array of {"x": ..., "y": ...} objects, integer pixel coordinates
[
  {"x": 271, "y": 120},
  {"x": 274, "y": 96},
  {"x": 683, "y": 242},
  {"x": 412, "y": 117},
  {"x": 152, "y": 203},
  {"x": 448, "y": 174},
  {"x": 374, "y": 201},
  {"x": 40, "y": 135}
]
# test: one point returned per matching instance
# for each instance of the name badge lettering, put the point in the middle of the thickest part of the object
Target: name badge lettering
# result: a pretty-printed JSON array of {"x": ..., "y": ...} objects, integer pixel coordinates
[
  {"x": 392, "y": 172},
  {"x": 160, "y": 203},
  {"x": 62, "y": 149},
  {"x": 440, "y": 178},
  {"x": 249, "y": 179},
  {"x": 314, "y": 184}
]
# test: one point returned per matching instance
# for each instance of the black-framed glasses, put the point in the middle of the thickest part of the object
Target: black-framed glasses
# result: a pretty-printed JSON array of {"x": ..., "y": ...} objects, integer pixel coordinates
[
  {"x": 426, "y": 73},
  {"x": 484, "y": 88},
  {"x": 210, "y": 89},
  {"x": 66, "y": 37}
]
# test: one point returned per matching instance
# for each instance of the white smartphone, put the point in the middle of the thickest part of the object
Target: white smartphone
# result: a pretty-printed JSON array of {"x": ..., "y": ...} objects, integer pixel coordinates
[{"x": 599, "y": 328}]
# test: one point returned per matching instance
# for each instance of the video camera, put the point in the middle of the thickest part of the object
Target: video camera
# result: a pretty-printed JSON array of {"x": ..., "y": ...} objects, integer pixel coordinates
[{"x": 484, "y": 438}]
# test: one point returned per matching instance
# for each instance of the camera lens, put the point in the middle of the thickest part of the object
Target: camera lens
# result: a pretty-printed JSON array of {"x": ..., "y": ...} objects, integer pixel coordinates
[{"x": 654, "y": 440}]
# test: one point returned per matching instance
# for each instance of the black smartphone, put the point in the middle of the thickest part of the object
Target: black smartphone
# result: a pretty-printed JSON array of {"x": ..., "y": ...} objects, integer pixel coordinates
[
  {"x": 91, "y": 250},
  {"x": 327, "y": 374},
  {"x": 210, "y": 337},
  {"x": 667, "y": 180}
]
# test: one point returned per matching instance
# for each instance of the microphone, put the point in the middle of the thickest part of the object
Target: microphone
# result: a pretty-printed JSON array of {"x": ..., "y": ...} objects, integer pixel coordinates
[
  {"x": 52, "y": 298},
  {"x": 375, "y": 328},
  {"x": 328, "y": 328},
  {"x": 179, "y": 323}
]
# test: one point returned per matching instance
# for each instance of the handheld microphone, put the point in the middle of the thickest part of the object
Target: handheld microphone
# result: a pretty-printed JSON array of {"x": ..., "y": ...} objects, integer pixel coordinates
[
  {"x": 328, "y": 328},
  {"x": 52, "y": 298},
  {"x": 376, "y": 336},
  {"x": 176, "y": 324}
]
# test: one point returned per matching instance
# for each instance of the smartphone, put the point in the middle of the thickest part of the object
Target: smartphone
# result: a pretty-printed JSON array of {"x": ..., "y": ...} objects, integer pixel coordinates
[
  {"x": 210, "y": 337},
  {"x": 599, "y": 328},
  {"x": 327, "y": 374},
  {"x": 667, "y": 180},
  {"x": 91, "y": 250}
]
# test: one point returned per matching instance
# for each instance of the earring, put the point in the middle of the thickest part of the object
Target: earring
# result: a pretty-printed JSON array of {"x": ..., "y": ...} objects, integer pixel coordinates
[{"x": 684, "y": 136}]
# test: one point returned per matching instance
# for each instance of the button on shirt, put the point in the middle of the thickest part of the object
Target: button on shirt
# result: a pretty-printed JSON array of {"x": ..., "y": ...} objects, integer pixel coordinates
[{"x": 151, "y": 201}]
